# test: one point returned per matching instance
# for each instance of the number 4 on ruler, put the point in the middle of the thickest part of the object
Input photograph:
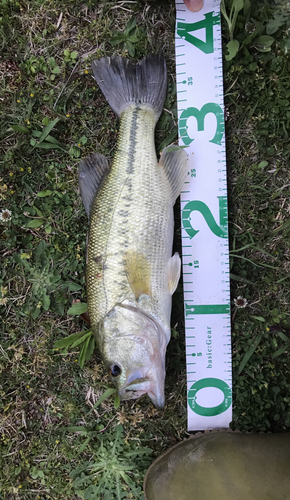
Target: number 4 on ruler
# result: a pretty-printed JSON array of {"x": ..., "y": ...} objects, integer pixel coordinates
[{"x": 184, "y": 29}]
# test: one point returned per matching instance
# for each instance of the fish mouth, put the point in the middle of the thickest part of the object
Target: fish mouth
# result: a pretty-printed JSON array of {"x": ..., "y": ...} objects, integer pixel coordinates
[
  {"x": 158, "y": 401},
  {"x": 141, "y": 386},
  {"x": 135, "y": 389},
  {"x": 135, "y": 385}
]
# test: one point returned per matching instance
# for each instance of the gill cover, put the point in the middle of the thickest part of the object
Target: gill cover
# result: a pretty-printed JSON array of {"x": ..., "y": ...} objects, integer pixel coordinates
[{"x": 134, "y": 342}]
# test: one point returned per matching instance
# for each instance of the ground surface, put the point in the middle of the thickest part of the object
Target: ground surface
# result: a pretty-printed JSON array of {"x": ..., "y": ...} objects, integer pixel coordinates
[{"x": 46, "y": 50}]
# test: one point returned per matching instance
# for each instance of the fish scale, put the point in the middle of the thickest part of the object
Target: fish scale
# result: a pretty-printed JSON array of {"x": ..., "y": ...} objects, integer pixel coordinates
[{"x": 122, "y": 218}]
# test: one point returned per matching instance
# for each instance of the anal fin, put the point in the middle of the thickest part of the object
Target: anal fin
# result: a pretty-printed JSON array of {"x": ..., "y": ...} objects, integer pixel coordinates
[{"x": 173, "y": 160}]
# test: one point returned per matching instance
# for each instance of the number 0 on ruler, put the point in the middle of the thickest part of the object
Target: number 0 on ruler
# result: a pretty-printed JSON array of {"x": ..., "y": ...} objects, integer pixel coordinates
[{"x": 204, "y": 215}]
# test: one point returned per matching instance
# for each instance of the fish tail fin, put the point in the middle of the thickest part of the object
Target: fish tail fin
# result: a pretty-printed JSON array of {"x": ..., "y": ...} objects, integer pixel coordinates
[{"x": 124, "y": 83}]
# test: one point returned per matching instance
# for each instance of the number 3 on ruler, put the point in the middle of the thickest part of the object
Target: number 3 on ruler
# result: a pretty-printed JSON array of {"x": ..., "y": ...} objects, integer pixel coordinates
[
  {"x": 210, "y": 107},
  {"x": 184, "y": 29}
]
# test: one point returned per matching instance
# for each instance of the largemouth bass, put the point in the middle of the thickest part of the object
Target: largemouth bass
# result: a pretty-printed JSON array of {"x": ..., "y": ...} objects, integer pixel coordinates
[{"x": 131, "y": 273}]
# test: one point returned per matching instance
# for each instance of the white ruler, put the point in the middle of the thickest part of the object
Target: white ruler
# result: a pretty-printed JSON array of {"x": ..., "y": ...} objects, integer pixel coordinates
[{"x": 205, "y": 254}]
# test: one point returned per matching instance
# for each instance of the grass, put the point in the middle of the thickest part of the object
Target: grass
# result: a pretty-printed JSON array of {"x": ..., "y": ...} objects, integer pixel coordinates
[{"x": 51, "y": 116}]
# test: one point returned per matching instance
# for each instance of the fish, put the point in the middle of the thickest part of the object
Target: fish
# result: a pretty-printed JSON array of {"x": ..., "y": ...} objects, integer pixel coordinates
[{"x": 131, "y": 273}]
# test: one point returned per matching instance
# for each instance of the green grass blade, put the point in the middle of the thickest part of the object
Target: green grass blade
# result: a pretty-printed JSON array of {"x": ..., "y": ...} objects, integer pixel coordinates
[
  {"x": 83, "y": 430},
  {"x": 283, "y": 336},
  {"x": 117, "y": 401},
  {"x": 47, "y": 145},
  {"x": 104, "y": 396},
  {"x": 49, "y": 138},
  {"x": 259, "y": 318},
  {"x": 84, "y": 445},
  {"x": 281, "y": 350},
  {"x": 250, "y": 352},
  {"x": 262, "y": 264},
  {"x": 19, "y": 128},
  {"x": 78, "y": 308},
  {"x": 82, "y": 339},
  {"x": 87, "y": 351},
  {"x": 67, "y": 341},
  {"x": 35, "y": 223},
  {"x": 48, "y": 129},
  {"x": 241, "y": 279},
  {"x": 82, "y": 354}
]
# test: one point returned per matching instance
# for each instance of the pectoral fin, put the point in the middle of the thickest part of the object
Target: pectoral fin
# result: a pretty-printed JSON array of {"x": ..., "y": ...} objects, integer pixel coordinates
[
  {"x": 138, "y": 272},
  {"x": 173, "y": 160},
  {"x": 92, "y": 171},
  {"x": 174, "y": 266}
]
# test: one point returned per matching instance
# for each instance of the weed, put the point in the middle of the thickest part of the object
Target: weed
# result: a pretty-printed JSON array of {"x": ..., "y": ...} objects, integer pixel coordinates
[
  {"x": 128, "y": 38},
  {"x": 83, "y": 339},
  {"x": 280, "y": 17},
  {"x": 114, "y": 472},
  {"x": 43, "y": 280},
  {"x": 70, "y": 57}
]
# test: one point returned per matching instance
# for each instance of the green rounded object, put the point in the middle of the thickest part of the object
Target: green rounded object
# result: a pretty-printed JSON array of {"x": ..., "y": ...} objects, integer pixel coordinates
[{"x": 222, "y": 466}]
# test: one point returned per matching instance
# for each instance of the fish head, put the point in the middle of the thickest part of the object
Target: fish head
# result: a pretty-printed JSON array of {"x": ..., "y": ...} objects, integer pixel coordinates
[{"x": 134, "y": 347}]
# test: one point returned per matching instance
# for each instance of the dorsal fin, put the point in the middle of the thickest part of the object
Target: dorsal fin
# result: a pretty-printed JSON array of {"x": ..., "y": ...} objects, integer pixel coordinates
[
  {"x": 92, "y": 171},
  {"x": 173, "y": 160}
]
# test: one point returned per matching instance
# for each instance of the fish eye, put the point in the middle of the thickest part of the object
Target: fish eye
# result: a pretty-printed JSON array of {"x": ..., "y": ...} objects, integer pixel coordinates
[{"x": 115, "y": 370}]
